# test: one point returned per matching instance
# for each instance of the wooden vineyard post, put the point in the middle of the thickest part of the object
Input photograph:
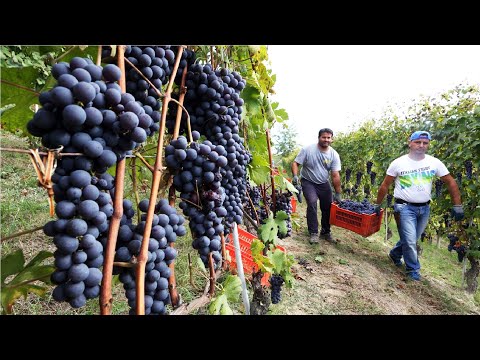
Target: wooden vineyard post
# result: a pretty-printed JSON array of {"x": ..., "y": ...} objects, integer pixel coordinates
[
  {"x": 157, "y": 173},
  {"x": 106, "y": 299},
  {"x": 272, "y": 179},
  {"x": 172, "y": 286}
]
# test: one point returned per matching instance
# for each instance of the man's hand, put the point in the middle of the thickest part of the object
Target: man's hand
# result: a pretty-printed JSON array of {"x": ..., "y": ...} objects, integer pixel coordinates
[
  {"x": 377, "y": 209},
  {"x": 295, "y": 180},
  {"x": 337, "y": 197},
  {"x": 457, "y": 212}
]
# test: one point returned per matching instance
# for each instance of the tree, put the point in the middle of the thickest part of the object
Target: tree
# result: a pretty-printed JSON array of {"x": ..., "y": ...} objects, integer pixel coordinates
[{"x": 286, "y": 146}]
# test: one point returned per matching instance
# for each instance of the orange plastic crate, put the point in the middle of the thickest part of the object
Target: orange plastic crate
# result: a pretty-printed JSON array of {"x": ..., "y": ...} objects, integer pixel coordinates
[
  {"x": 293, "y": 201},
  {"x": 362, "y": 224},
  {"x": 245, "y": 240}
]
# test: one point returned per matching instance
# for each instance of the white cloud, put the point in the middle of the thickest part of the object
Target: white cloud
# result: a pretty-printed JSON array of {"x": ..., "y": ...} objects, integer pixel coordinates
[{"x": 338, "y": 85}]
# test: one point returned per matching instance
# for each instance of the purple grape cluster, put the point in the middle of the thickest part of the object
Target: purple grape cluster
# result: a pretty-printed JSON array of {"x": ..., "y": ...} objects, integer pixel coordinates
[
  {"x": 87, "y": 113},
  {"x": 283, "y": 203},
  {"x": 276, "y": 282},
  {"x": 455, "y": 244},
  {"x": 438, "y": 187},
  {"x": 167, "y": 225},
  {"x": 348, "y": 174},
  {"x": 459, "y": 178},
  {"x": 369, "y": 166},
  {"x": 389, "y": 200},
  {"x": 363, "y": 207},
  {"x": 358, "y": 178},
  {"x": 468, "y": 168}
]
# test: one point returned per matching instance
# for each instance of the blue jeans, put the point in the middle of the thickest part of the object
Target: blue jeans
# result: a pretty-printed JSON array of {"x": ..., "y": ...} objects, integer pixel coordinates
[{"x": 413, "y": 221}]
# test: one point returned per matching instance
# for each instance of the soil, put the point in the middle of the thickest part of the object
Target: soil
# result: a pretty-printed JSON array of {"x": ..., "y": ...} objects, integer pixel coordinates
[{"x": 355, "y": 276}]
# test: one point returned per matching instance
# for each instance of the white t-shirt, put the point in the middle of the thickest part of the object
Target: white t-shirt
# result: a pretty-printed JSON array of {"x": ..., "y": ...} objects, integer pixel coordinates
[{"x": 413, "y": 178}]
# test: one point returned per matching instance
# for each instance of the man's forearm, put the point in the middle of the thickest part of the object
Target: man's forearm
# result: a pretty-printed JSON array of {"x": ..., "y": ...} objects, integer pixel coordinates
[{"x": 295, "y": 169}]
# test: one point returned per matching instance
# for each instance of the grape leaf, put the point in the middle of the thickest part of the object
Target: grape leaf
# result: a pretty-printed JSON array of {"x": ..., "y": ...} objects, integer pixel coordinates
[
  {"x": 232, "y": 288},
  {"x": 12, "y": 264},
  {"x": 219, "y": 306},
  {"x": 42, "y": 255}
]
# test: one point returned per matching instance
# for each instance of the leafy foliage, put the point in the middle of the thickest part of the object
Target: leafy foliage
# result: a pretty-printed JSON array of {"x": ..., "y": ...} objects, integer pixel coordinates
[
  {"x": 275, "y": 261},
  {"x": 269, "y": 230},
  {"x": 25, "y": 276},
  {"x": 231, "y": 290}
]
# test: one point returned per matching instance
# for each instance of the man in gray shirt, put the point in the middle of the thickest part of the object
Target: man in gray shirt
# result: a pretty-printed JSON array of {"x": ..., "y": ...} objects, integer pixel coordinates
[{"x": 318, "y": 160}]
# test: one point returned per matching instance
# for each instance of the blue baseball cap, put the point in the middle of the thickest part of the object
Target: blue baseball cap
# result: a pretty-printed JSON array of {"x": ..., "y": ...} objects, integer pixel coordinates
[{"x": 420, "y": 135}]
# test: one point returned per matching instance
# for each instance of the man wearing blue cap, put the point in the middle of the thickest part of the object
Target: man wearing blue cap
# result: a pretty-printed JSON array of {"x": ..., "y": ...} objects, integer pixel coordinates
[{"x": 413, "y": 174}]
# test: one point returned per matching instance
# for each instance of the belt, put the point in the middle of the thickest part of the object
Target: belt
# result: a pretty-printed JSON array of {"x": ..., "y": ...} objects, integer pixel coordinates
[{"x": 400, "y": 201}]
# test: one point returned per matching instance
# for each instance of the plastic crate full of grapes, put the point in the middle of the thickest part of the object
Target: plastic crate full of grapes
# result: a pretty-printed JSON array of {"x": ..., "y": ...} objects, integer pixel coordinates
[{"x": 361, "y": 223}]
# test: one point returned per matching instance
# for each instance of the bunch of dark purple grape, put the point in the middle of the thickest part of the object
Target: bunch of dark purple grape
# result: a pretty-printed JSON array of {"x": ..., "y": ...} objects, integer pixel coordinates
[
  {"x": 459, "y": 179},
  {"x": 468, "y": 168},
  {"x": 389, "y": 200},
  {"x": 197, "y": 168},
  {"x": 214, "y": 105},
  {"x": 363, "y": 207},
  {"x": 156, "y": 64},
  {"x": 276, "y": 282},
  {"x": 167, "y": 225},
  {"x": 283, "y": 203},
  {"x": 438, "y": 187},
  {"x": 255, "y": 195},
  {"x": 85, "y": 113},
  {"x": 79, "y": 234},
  {"x": 348, "y": 174},
  {"x": 373, "y": 176},
  {"x": 457, "y": 246},
  {"x": 369, "y": 166},
  {"x": 358, "y": 178}
]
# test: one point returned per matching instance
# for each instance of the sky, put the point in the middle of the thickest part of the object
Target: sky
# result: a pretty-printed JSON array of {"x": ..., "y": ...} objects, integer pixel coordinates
[{"x": 338, "y": 86}]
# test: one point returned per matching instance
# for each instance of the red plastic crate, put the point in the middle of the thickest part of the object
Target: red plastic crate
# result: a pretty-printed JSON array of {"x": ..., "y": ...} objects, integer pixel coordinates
[
  {"x": 245, "y": 240},
  {"x": 362, "y": 224},
  {"x": 293, "y": 201}
]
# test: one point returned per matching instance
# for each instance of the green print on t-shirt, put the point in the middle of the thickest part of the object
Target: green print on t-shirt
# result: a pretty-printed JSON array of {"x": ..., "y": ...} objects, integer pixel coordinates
[{"x": 418, "y": 178}]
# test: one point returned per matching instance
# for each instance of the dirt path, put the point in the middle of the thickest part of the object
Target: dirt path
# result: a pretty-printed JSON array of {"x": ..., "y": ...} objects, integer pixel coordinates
[{"x": 355, "y": 276}]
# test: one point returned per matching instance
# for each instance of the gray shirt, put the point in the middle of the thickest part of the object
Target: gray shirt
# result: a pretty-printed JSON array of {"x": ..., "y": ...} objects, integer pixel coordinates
[{"x": 317, "y": 164}]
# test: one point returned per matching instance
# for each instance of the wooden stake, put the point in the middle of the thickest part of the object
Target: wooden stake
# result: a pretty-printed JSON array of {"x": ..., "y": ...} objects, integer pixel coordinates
[{"x": 106, "y": 298}]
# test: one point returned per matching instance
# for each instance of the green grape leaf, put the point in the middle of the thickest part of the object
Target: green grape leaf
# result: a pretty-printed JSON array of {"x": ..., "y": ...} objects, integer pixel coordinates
[
  {"x": 289, "y": 185},
  {"x": 251, "y": 97},
  {"x": 13, "y": 79},
  {"x": 232, "y": 288},
  {"x": 279, "y": 260},
  {"x": 269, "y": 230},
  {"x": 289, "y": 279},
  {"x": 219, "y": 306},
  {"x": 32, "y": 273},
  {"x": 257, "y": 247},
  {"x": 12, "y": 264},
  {"x": 280, "y": 221},
  {"x": 10, "y": 295},
  {"x": 42, "y": 255}
]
